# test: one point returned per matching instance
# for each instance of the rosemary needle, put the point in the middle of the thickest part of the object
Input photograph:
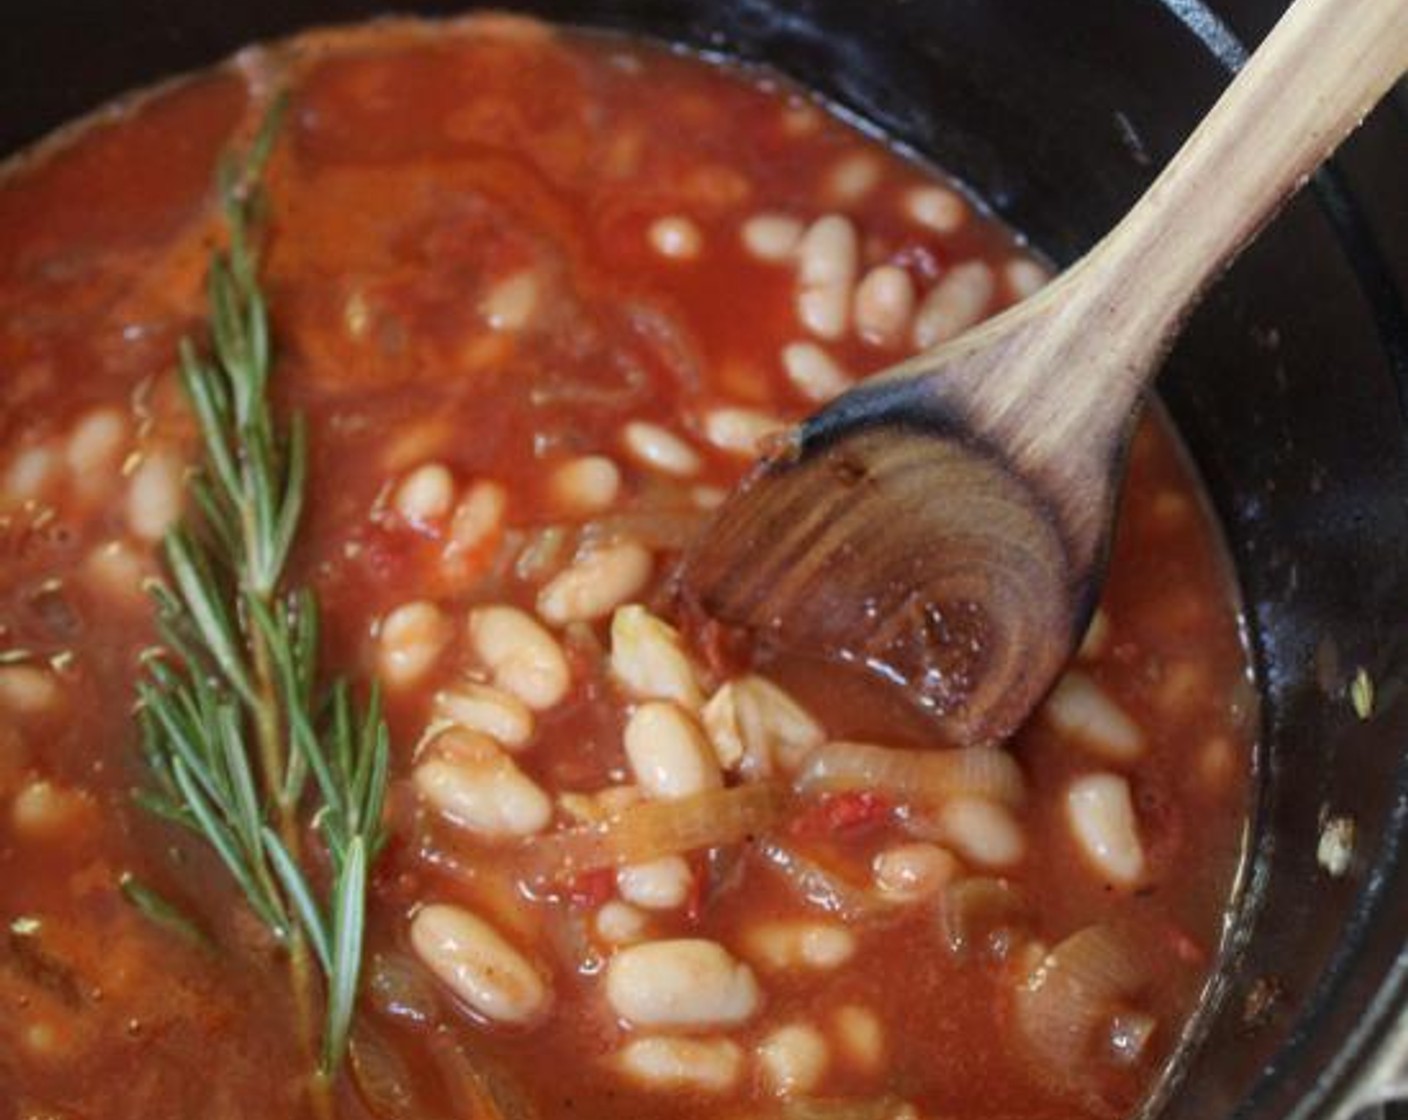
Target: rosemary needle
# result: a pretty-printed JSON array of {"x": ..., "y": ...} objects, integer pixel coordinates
[{"x": 244, "y": 746}]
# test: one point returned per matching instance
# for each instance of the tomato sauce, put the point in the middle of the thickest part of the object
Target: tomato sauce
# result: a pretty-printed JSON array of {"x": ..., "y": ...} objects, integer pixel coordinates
[{"x": 494, "y": 251}]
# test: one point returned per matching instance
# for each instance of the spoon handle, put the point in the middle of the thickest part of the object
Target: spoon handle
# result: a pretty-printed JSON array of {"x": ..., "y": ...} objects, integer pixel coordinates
[{"x": 1110, "y": 318}]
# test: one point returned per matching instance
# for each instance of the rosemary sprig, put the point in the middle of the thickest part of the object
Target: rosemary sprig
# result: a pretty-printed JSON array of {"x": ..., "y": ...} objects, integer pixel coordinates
[{"x": 232, "y": 720}]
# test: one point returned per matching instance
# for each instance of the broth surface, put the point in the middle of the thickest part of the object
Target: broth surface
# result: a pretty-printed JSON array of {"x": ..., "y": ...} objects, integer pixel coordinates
[{"x": 538, "y": 294}]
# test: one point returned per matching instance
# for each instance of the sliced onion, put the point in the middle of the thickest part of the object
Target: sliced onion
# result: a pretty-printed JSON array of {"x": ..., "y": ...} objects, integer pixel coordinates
[
  {"x": 657, "y": 529},
  {"x": 872, "y": 1108},
  {"x": 925, "y": 777},
  {"x": 980, "y": 914},
  {"x": 479, "y": 1088},
  {"x": 381, "y": 1075},
  {"x": 653, "y": 829},
  {"x": 822, "y": 888},
  {"x": 399, "y": 988},
  {"x": 1078, "y": 985}
]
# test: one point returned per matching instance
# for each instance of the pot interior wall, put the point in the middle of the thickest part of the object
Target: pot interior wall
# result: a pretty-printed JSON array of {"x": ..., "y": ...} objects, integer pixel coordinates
[{"x": 1285, "y": 389}]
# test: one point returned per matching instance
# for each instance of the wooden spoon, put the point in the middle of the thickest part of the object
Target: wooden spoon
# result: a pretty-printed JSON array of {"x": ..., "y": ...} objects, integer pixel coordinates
[{"x": 947, "y": 522}]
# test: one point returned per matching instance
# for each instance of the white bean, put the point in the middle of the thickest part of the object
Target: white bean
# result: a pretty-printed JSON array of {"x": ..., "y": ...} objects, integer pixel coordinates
[
  {"x": 909, "y": 872},
  {"x": 983, "y": 831},
  {"x": 772, "y": 237},
  {"x": 884, "y": 305},
  {"x": 491, "y": 711},
  {"x": 827, "y": 259},
  {"x": 28, "y": 690},
  {"x": 479, "y": 787},
  {"x": 755, "y": 727},
  {"x": 521, "y": 656},
  {"x": 478, "y": 517},
  {"x": 1024, "y": 277},
  {"x": 1080, "y": 709},
  {"x": 116, "y": 571},
  {"x": 860, "y": 1035},
  {"x": 740, "y": 431},
  {"x": 954, "y": 304},
  {"x": 658, "y": 884},
  {"x": 95, "y": 449},
  {"x": 660, "y": 449},
  {"x": 425, "y": 495},
  {"x": 853, "y": 177},
  {"x": 677, "y": 238},
  {"x": 668, "y": 753},
  {"x": 687, "y": 982},
  {"x": 1101, "y": 816},
  {"x": 682, "y": 1064},
  {"x": 598, "y": 580},
  {"x": 509, "y": 305},
  {"x": 793, "y": 1059},
  {"x": 620, "y": 923},
  {"x": 589, "y": 484},
  {"x": 788, "y": 944},
  {"x": 936, "y": 208},
  {"x": 155, "y": 495},
  {"x": 32, "y": 473},
  {"x": 649, "y": 660},
  {"x": 42, "y": 810},
  {"x": 410, "y": 640},
  {"x": 474, "y": 961}
]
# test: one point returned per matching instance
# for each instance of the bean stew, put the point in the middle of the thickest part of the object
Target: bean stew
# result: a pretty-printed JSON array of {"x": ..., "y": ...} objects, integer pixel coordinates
[{"x": 539, "y": 295}]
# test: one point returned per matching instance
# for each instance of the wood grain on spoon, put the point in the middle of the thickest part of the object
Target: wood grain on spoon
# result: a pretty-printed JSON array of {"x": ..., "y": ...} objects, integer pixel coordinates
[{"x": 946, "y": 523}]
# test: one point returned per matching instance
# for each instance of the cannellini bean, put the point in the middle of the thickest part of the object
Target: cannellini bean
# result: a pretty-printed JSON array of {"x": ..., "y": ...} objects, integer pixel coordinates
[
  {"x": 659, "y": 884},
  {"x": 756, "y": 727},
  {"x": 478, "y": 518},
  {"x": 649, "y": 660},
  {"x": 813, "y": 372},
  {"x": 1101, "y": 816},
  {"x": 475, "y": 962},
  {"x": 772, "y": 237},
  {"x": 853, "y": 177},
  {"x": 860, "y": 1036},
  {"x": 740, "y": 431},
  {"x": 479, "y": 787},
  {"x": 954, "y": 304},
  {"x": 155, "y": 495},
  {"x": 913, "y": 871},
  {"x": 42, "y": 810},
  {"x": 1024, "y": 277},
  {"x": 32, "y": 473},
  {"x": 827, "y": 259},
  {"x": 687, "y": 982},
  {"x": 1080, "y": 709},
  {"x": 668, "y": 753},
  {"x": 491, "y": 711},
  {"x": 787, "y": 944},
  {"x": 117, "y": 572},
  {"x": 677, "y": 238},
  {"x": 793, "y": 1059},
  {"x": 410, "y": 640},
  {"x": 620, "y": 923},
  {"x": 936, "y": 208},
  {"x": 510, "y": 304},
  {"x": 589, "y": 484},
  {"x": 884, "y": 305},
  {"x": 95, "y": 448},
  {"x": 593, "y": 808},
  {"x": 599, "y": 579},
  {"x": 660, "y": 449},
  {"x": 521, "y": 655},
  {"x": 983, "y": 831},
  {"x": 425, "y": 495},
  {"x": 708, "y": 497},
  {"x": 28, "y": 689},
  {"x": 674, "y": 1064}
]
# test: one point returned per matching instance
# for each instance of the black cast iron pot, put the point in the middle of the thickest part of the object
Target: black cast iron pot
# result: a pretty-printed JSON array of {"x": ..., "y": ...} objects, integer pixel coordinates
[{"x": 1290, "y": 388}]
